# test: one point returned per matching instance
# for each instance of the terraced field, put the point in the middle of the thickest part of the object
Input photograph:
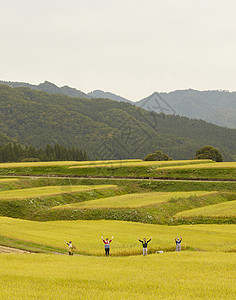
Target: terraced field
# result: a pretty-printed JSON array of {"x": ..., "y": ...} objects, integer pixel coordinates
[
  {"x": 48, "y": 211},
  {"x": 120, "y": 163},
  {"x": 2, "y": 180},
  {"x": 48, "y": 191},
  {"x": 134, "y": 200},
  {"x": 217, "y": 165},
  {"x": 227, "y": 209},
  {"x": 65, "y": 163},
  {"x": 186, "y": 169}
]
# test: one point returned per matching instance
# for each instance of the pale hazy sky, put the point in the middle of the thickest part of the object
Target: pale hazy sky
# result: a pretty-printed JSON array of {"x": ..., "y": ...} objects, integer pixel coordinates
[{"x": 128, "y": 47}]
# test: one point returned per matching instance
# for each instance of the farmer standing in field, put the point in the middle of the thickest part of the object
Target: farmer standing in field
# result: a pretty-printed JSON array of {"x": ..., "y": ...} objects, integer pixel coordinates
[
  {"x": 70, "y": 247},
  {"x": 145, "y": 242},
  {"x": 107, "y": 245},
  {"x": 178, "y": 241}
]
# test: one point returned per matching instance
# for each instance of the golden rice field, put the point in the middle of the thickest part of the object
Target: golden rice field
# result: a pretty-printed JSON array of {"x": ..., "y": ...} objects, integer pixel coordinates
[
  {"x": 3, "y": 180},
  {"x": 133, "y": 200},
  {"x": 215, "y": 165},
  {"x": 226, "y": 209},
  {"x": 120, "y": 163},
  {"x": 49, "y": 190},
  {"x": 205, "y": 269},
  {"x": 86, "y": 235},
  {"x": 63, "y": 163},
  {"x": 183, "y": 275}
]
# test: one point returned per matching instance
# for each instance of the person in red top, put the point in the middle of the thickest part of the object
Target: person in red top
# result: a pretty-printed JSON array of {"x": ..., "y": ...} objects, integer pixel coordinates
[{"x": 107, "y": 245}]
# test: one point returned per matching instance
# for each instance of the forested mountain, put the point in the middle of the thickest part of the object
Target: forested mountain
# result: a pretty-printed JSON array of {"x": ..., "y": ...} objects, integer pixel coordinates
[
  {"x": 4, "y": 139},
  {"x": 108, "y": 95},
  {"x": 105, "y": 128},
  {"x": 48, "y": 87},
  {"x": 217, "y": 107}
]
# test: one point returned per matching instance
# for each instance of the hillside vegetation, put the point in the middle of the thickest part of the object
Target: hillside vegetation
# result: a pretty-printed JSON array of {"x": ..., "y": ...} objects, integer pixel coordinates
[{"x": 104, "y": 128}]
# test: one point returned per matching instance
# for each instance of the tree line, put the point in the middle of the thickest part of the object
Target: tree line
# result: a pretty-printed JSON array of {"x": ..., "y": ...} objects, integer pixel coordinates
[
  {"x": 13, "y": 152},
  {"x": 207, "y": 152}
]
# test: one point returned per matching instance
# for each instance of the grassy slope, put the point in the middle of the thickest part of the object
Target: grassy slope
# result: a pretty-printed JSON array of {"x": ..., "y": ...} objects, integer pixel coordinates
[
  {"x": 166, "y": 276},
  {"x": 86, "y": 235},
  {"x": 227, "y": 209}
]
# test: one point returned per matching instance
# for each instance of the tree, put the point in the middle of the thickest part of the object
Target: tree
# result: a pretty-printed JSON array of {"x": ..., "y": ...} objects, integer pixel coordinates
[
  {"x": 209, "y": 152},
  {"x": 158, "y": 155}
]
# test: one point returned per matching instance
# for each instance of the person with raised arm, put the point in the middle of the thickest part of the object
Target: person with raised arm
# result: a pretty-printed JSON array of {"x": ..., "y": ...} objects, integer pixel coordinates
[
  {"x": 70, "y": 247},
  {"x": 107, "y": 245},
  {"x": 178, "y": 241},
  {"x": 145, "y": 243}
]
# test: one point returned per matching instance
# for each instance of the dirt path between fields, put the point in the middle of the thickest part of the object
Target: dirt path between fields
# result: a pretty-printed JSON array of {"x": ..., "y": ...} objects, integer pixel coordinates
[{"x": 4, "y": 249}]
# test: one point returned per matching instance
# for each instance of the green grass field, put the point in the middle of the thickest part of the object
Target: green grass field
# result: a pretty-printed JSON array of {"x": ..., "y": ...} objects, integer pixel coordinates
[
  {"x": 184, "y": 275},
  {"x": 134, "y": 200},
  {"x": 48, "y": 191},
  {"x": 226, "y": 209},
  {"x": 86, "y": 235}
]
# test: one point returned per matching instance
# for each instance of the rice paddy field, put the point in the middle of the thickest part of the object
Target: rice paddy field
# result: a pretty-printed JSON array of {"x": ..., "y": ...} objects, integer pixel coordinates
[
  {"x": 222, "y": 209},
  {"x": 86, "y": 235},
  {"x": 65, "y": 163},
  {"x": 184, "y": 275},
  {"x": 205, "y": 169},
  {"x": 47, "y": 211},
  {"x": 121, "y": 163},
  {"x": 134, "y": 200},
  {"x": 48, "y": 191},
  {"x": 204, "y": 165},
  {"x": 2, "y": 180}
]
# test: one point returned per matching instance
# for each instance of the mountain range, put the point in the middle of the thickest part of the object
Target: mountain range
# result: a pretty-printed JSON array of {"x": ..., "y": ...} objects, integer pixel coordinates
[
  {"x": 217, "y": 107},
  {"x": 105, "y": 128}
]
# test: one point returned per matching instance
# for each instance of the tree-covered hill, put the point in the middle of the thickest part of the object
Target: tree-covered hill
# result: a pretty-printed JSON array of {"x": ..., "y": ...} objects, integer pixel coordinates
[
  {"x": 105, "y": 128},
  {"x": 217, "y": 107},
  {"x": 4, "y": 139}
]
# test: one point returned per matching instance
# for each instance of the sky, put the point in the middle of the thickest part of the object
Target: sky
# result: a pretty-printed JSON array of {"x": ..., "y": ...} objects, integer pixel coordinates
[{"x": 129, "y": 47}]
